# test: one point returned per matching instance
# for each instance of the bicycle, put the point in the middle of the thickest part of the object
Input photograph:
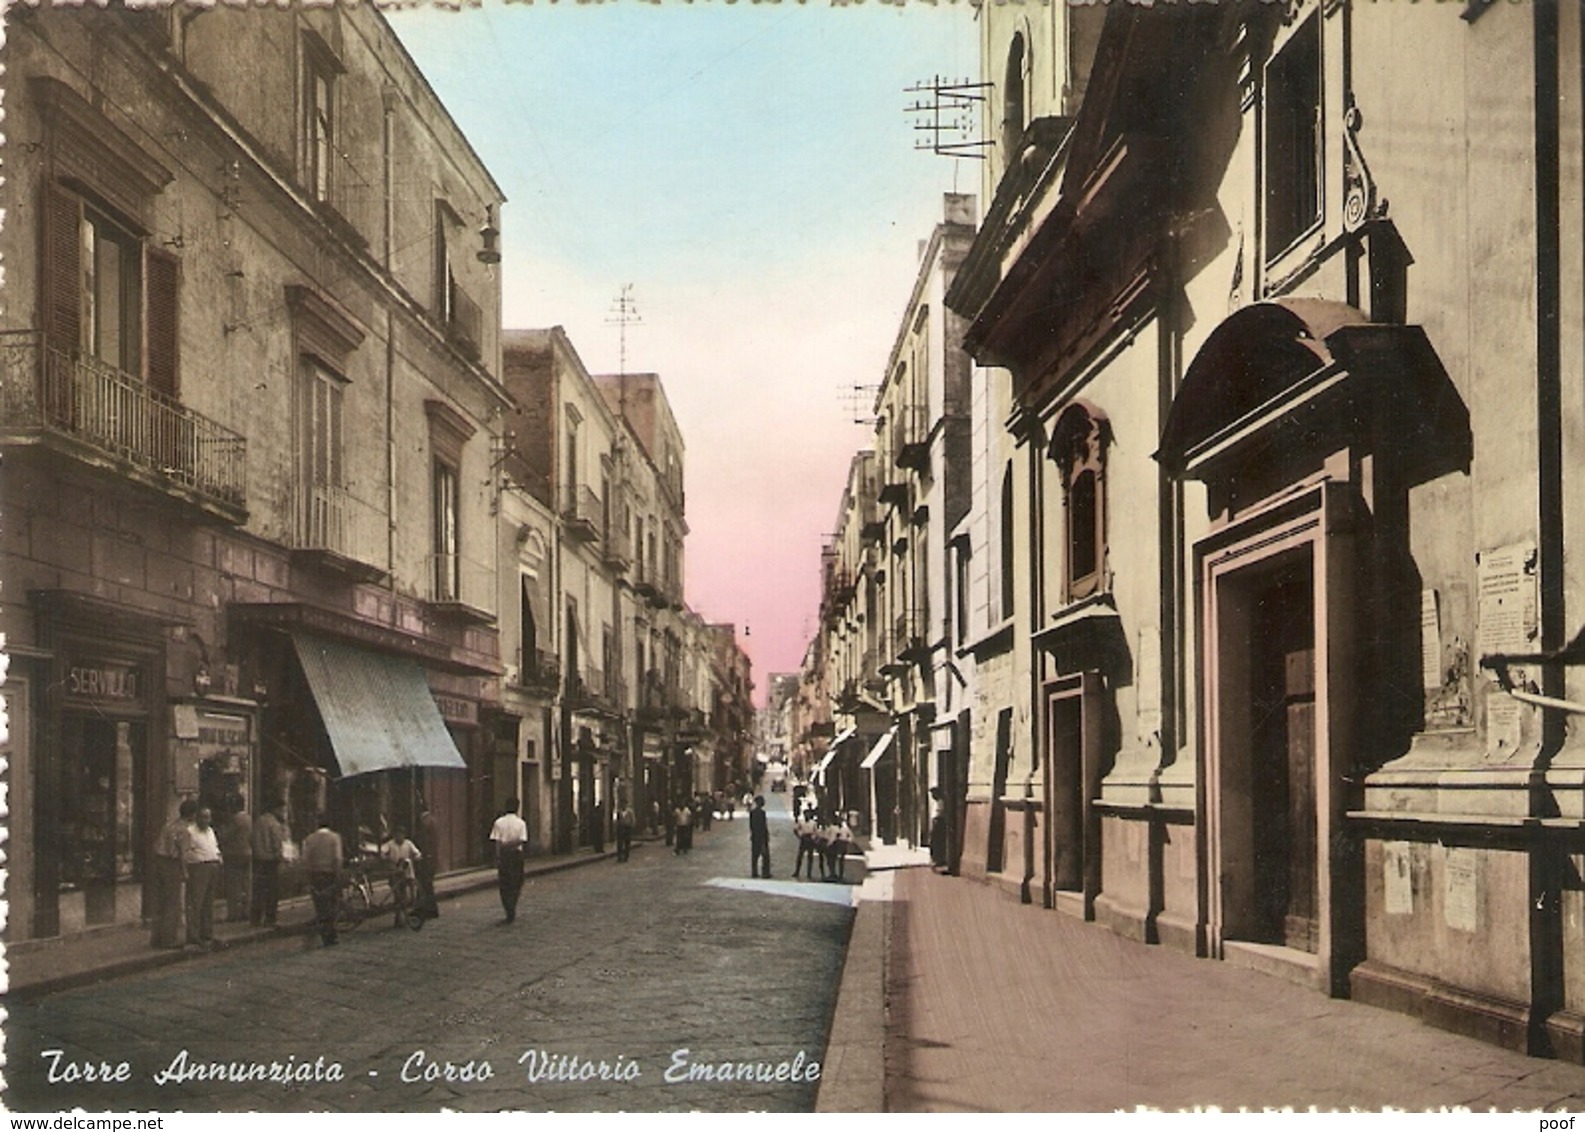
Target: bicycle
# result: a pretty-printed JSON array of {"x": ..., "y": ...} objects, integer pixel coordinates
[
  {"x": 355, "y": 899},
  {"x": 404, "y": 896}
]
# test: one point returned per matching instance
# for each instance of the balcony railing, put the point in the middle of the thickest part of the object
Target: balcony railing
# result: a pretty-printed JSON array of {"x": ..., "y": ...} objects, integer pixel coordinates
[
  {"x": 461, "y": 588},
  {"x": 643, "y": 577},
  {"x": 909, "y": 633},
  {"x": 911, "y": 437},
  {"x": 337, "y": 530},
  {"x": 115, "y": 416},
  {"x": 616, "y": 548},
  {"x": 540, "y": 669},
  {"x": 580, "y": 512},
  {"x": 466, "y": 325},
  {"x": 592, "y": 688}
]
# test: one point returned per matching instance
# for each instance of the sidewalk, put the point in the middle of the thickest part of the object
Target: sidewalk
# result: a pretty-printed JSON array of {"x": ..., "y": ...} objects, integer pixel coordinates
[
  {"x": 957, "y": 998},
  {"x": 39, "y": 967}
]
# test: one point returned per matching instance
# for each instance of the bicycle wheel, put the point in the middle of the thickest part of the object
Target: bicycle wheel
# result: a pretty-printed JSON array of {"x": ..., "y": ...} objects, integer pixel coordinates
[
  {"x": 404, "y": 892},
  {"x": 352, "y": 905}
]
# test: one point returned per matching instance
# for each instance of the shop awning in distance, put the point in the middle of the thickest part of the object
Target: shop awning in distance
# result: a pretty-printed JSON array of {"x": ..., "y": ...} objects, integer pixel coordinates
[
  {"x": 378, "y": 710},
  {"x": 878, "y": 750},
  {"x": 833, "y": 750}
]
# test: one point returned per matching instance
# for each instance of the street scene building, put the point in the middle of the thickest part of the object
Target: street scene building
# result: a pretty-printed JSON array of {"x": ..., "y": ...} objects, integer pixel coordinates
[
  {"x": 280, "y": 525},
  {"x": 1198, "y": 647},
  {"x": 1264, "y": 576}
]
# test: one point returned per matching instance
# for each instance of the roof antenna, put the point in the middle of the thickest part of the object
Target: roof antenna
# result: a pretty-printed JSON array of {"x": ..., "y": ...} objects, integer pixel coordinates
[{"x": 624, "y": 312}]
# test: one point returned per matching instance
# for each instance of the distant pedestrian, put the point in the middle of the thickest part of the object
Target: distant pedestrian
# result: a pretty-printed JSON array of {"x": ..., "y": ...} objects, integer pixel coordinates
[
  {"x": 322, "y": 859},
  {"x": 625, "y": 821},
  {"x": 654, "y": 820},
  {"x": 808, "y": 847},
  {"x": 427, "y": 838},
  {"x": 236, "y": 856},
  {"x": 201, "y": 855},
  {"x": 839, "y": 840},
  {"x": 269, "y": 850},
  {"x": 597, "y": 821},
  {"x": 758, "y": 838},
  {"x": 938, "y": 831},
  {"x": 683, "y": 817},
  {"x": 167, "y": 875},
  {"x": 510, "y": 834}
]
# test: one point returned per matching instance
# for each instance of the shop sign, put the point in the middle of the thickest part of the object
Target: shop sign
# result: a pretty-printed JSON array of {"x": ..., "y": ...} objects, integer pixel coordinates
[
  {"x": 225, "y": 739},
  {"x": 106, "y": 682},
  {"x": 455, "y": 709}
]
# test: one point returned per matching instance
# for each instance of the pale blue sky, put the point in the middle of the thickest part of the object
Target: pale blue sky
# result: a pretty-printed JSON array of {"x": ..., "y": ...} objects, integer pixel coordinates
[{"x": 749, "y": 169}]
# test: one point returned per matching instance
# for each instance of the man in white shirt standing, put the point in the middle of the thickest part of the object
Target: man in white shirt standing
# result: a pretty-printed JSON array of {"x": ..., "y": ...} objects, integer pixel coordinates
[
  {"x": 201, "y": 855},
  {"x": 510, "y": 834}
]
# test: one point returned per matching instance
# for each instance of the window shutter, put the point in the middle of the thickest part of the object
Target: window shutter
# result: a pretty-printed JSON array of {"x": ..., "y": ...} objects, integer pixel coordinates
[
  {"x": 160, "y": 271},
  {"x": 62, "y": 313}
]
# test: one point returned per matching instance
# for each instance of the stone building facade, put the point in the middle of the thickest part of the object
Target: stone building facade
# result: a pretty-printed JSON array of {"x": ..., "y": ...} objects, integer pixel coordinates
[
  {"x": 1292, "y": 478},
  {"x": 247, "y": 431},
  {"x": 1277, "y": 313}
]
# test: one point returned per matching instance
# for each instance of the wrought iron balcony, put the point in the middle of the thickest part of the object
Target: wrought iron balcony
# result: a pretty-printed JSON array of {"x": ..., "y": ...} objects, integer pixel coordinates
[
  {"x": 616, "y": 549},
  {"x": 580, "y": 513},
  {"x": 911, "y": 437},
  {"x": 338, "y": 533},
  {"x": 643, "y": 576},
  {"x": 460, "y": 589},
  {"x": 592, "y": 690},
  {"x": 895, "y": 492},
  {"x": 909, "y": 634},
  {"x": 111, "y": 419},
  {"x": 465, "y": 327},
  {"x": 540, "y": 670}
]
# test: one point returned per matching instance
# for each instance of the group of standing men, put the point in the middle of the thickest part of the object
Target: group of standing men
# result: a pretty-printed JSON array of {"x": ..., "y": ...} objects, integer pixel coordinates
[
  {"x": 825, "y": 843},
  {"x": 194, "y": 861},
  {"x": 241, "y": 858}
]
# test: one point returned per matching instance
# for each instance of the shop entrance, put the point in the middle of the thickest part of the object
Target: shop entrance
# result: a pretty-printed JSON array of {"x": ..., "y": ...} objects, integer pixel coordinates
[{"x": 101, "y": 830}]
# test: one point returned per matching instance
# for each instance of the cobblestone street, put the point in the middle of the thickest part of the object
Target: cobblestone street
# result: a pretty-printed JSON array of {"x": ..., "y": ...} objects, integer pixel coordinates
[{"x": 629, "y": 964}]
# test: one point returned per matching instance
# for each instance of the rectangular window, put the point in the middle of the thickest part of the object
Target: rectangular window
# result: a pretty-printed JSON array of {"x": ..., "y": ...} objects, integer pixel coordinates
[
  {"x": 528, "y": 635},
  {"x": 327, "y": 516},
  {"x": 961, "y": 592},
  {"x": 319, "y": 121},
  {"x": 1293, "y": 139},
  {"x": 324, "y": 426},
  {"x": 108, "y": 296},
  {"x": 112, "y": 294},
  {"x": 447, "y": 566}
]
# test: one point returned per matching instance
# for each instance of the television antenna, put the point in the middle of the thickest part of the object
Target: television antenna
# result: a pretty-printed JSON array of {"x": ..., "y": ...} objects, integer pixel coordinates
[
  {"x": 946, "y": 111},
  {"x": 624, "y": 313},
  {"x": 856, "y": 399}
]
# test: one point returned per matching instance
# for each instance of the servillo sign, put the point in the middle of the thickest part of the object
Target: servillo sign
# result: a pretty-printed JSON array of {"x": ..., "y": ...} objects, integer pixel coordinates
[{"x": 101, "y": 682}]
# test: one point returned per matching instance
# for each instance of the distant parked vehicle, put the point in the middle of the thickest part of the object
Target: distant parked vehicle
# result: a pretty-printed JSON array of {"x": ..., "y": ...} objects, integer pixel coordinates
[{"x": 776, "y": 775}]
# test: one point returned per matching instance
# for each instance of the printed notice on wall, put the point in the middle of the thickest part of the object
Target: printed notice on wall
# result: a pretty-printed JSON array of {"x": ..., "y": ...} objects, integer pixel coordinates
[
  {"x": 1462, "y": 892},
  {"x": 1396, "y": 884},
  {"x": 1430, "y": 641},
  {"x": 1508, "y": 600},
  {"x": 1503, "y": 726}
]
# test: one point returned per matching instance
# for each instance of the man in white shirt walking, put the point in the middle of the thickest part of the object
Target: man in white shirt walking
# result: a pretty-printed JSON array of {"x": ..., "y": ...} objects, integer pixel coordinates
[{"x": 510, "y": 834}]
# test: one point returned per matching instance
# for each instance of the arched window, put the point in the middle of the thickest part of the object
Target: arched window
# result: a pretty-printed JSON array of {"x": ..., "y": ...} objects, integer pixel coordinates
[
  {"x": 1078, "y": 445},
  {"x": 1013, "y": 101},
  {"x": 1007, "y": 541}
]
